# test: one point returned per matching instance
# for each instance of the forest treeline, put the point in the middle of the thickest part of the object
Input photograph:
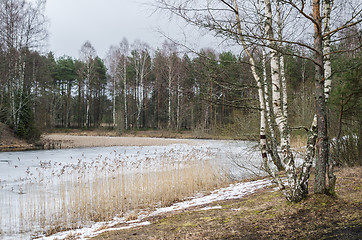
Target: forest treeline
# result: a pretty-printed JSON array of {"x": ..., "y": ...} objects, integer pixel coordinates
[{"x": 137, "y": 87}]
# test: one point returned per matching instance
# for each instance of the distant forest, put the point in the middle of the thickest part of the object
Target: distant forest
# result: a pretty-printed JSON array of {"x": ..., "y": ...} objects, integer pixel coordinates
[{"x": 136, "y": 87}]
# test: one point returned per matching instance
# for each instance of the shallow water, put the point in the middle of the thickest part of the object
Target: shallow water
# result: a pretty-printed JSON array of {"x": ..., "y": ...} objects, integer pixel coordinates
[{"x": 31, "y": 174}]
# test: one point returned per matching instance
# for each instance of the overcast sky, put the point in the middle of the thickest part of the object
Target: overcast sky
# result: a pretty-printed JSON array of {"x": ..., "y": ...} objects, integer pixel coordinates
[{"x": 105, "y": 23}]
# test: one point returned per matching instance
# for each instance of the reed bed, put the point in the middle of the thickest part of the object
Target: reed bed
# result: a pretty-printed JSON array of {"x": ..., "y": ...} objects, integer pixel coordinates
[{"x": 76, "y": 195}]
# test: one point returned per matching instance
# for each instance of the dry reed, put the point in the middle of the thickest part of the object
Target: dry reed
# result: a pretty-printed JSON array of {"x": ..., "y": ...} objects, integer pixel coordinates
[{"x": 80, "y": 194}]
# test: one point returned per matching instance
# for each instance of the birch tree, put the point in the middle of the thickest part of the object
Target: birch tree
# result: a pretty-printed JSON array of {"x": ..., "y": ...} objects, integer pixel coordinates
[
  {"x": 22, "y": 27},
  {"x": 124, "y": 48},
  {"x": 171, "y": 62},
  {"x": 141, "y": 64},
  {"x": 88, "y": 55},
  {"x": 225, "y": 19},
  {"x": 113, "y": 64}
]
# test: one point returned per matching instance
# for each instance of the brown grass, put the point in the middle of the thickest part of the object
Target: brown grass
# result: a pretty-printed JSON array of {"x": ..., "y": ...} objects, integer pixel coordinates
[
  {"x": 299, "y": 142},
  {"x": 100, "y": 192},
  {"x": 265, "y": 215}
]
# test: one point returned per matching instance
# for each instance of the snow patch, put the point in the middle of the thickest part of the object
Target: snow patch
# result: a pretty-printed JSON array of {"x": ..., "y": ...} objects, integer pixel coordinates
[{"x": 234, "y": 191}]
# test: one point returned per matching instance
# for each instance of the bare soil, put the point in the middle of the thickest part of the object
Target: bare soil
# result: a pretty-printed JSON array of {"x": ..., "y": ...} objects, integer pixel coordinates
[{"x": 265, "y": 215}]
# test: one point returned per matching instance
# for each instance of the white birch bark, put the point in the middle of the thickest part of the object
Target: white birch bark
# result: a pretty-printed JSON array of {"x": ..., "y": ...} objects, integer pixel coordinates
[
  {"x": 114, "y": 96},
  {"x": 88, "y": 54},
  {"x": 273, "y": 143},
  {"x": 169, "y": 95},
  {"x": 125, "y": 49},
  {"x": 328, "y": 82},
  {"x": 142, "y": 75},
  {"x": 140, "y": 63},
  {"x": 309, "y": 156},
  {"x": 20, "y": 90},
  {"x": 178, "y": 103},
  {"x": 281, "y": 63},
  {"x": 327, "y": 49},
  {"x": 269, "y": 112},
  {"x": 137, "y": 99},
  {"x": 87, "y": 96},
  {"x": 125, "y": 91},
  {"x": 12, "y": 89},
  {"x": 263, "y": 143},
  {"x": 170, "y": 67},
  {"x": 281, "y": 120}
]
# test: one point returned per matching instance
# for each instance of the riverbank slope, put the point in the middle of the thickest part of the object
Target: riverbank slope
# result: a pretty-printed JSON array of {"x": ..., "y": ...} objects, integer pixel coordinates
[{"x": 264, "y": 215}]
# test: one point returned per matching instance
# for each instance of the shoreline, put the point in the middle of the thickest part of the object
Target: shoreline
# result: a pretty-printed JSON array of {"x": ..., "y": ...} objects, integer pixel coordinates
[{"x": 65, "y": 141}]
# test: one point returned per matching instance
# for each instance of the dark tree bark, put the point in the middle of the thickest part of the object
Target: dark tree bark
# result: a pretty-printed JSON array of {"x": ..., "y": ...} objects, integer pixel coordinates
[{"x": 322, "y": 139}]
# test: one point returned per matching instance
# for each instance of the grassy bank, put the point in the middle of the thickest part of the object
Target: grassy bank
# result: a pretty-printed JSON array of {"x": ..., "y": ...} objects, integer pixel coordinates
[{"x": 265, "y": 215}]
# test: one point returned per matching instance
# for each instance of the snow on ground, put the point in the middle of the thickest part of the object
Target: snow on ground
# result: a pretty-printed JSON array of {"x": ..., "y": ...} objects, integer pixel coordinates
[{"x": 234, "y": 191}]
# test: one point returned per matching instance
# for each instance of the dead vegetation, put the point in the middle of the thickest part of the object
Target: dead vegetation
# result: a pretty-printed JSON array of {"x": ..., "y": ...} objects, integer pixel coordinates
[
  {"x": 265, "y": 215},
  {"x": 110, "y": 186},
  {"x": 9, "y": 142}
]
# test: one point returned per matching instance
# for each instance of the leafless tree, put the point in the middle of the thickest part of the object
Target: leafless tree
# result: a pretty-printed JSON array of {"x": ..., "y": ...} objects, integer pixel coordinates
[
  {"x": 141, "y": 63},
  {"x": 225, "y": 18},
  {"x": 22, "y": 28},
  {"x": 87, "y": 54},
  {"x": 113, "y": 63},
  {"x": 124, "y": 47}
]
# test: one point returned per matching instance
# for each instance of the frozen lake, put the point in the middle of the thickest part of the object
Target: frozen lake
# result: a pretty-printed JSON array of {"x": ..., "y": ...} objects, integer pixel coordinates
[{"x": 27, "y": 178}]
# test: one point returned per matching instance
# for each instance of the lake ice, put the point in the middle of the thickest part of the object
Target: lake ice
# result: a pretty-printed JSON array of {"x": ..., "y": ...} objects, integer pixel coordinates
[{"x": 31, "y": 174}]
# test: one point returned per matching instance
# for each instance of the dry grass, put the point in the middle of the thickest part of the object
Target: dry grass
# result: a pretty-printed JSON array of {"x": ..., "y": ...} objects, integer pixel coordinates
[
  {"x": 298, "y": 142},
  {"x": 83, "y": 193},
  {"x": 264, "y": 215}
]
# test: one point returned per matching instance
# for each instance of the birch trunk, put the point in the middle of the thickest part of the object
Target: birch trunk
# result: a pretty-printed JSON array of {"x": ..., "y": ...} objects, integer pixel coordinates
[
  {"x": 169, "y": 92},
  {"x": 273, "y": 140},
  {"x": 295, "y": 194},
  {"x": 281, "y": 63},
  {"x": 269, "y": 112},
  {"x": 140, "y": 99},
  {"x": 125, "y": 91},
  {"x": 137, "y": 89},
  {"x": 20, "y": 90},
  {"x": 87, "y": 105},
  {"x": 12, "y": 89},
  {"x": 263, "y": 141},
  {"x": 178, "y": 126},
  {"x": 114, "y": 100},
  {"x": 328, "y": 83}
]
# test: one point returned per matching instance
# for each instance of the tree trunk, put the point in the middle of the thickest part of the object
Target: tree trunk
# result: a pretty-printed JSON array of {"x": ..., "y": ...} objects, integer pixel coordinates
[
  {"x": 69, "y": 98},
  {"x": 178, "y": 125},
  {"x": 322, "y": 141},
  {"x": 169, "y": 97},
  {"x": 270, "y": 119},
  {"x": 281, "y": 64},
  {"x": 328, "y": 84},
  {"x": 281, "y": 120},
  {"x": 125, "y": 92},
  {"x": 263, "y": 141},
  {"x": 114, "y": 101}
]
